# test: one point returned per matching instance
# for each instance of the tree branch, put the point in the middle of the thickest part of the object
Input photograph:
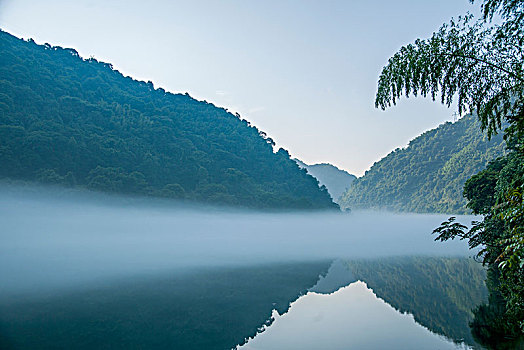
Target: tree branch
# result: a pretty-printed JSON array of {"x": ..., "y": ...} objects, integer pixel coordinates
[{"x": 521, "y": 79}]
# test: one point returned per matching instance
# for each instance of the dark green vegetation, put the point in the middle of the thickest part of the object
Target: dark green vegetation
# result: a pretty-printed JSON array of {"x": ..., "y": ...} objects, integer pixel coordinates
[
  {"x": 207, "y": 309},
  {"x": 337, "y": 181},
  {"x": 78, "y": 122},
  {"x": 427, "y": 176},
  {"x": 481, "y": 65},
  {"x": 490, "y": 194},
  {"x": 440, "y": 292}
]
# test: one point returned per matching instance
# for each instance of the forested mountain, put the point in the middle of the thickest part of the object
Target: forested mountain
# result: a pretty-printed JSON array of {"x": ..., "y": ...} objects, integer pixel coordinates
[
  {"x": 337, "y": 181},
  {"x": 78, "y": 122},
  {"x": 429, "y": 174}
]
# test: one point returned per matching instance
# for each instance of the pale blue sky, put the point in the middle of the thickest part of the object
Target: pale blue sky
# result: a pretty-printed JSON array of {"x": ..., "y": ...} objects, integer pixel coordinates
[{"x": 304, "y": 72}]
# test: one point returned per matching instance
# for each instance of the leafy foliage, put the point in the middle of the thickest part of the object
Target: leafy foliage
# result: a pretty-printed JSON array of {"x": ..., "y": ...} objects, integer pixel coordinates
[
  {"x": 499, "y": 239},
  {"x": 479, "y": 67},
  {"x": 480, "y": 64},
  {"x": 78, "y": 122},
  {"x": 429, "y": 174}
]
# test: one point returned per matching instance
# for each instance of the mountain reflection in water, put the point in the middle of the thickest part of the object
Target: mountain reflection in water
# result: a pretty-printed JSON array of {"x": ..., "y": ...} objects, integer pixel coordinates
[
  {"x": 351, "y": 318},
  {"x": 415, "y": 303},
  {"x": 205, "y": 308},
  {"x": 217, "y": 308}
]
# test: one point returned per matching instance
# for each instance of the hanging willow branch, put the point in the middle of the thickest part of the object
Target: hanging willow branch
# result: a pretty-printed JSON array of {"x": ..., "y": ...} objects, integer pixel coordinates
[{"x": 465, "y": 61}]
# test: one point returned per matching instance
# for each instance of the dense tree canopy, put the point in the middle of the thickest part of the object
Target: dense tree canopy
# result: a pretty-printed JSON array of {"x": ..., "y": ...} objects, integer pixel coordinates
[
  {"x": 479, "y": 64},
  {"x": 78, "y": 122},
  {"x": 428, "y": 175}
]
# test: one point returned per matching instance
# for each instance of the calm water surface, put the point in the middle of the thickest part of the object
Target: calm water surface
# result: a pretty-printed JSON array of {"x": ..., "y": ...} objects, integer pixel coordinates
[{"x": 350, "y": 318}]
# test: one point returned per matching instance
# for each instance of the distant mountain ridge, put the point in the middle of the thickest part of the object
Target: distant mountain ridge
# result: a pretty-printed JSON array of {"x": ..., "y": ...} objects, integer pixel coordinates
[
  {"x": 336, "y": 180},
  {"x": 78, "y": 122},
  {"x": 429, "y": 174}
]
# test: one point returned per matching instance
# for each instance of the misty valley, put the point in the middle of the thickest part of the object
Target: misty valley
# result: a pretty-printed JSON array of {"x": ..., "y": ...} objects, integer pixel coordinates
[
  {"x": 93, "y": 271},
  {"x": 232, "y": 175}
]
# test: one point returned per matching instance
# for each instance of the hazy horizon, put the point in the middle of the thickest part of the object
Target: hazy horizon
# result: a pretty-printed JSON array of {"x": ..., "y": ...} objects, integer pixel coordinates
[{"x": 304, "y": 72}]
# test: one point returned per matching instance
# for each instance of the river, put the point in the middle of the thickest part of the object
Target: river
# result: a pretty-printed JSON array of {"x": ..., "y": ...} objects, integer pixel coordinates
[{"x": 89, "y": 271}]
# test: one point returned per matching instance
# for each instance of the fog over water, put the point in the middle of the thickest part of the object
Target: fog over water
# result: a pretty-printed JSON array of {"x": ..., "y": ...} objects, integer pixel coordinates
[{"x": 50, "y": 242}]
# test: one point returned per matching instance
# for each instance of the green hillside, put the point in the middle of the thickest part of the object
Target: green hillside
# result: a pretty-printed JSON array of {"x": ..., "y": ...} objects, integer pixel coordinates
[
  {"x": 429, "y": 174},
  {"x": 78, "y": 122}
]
